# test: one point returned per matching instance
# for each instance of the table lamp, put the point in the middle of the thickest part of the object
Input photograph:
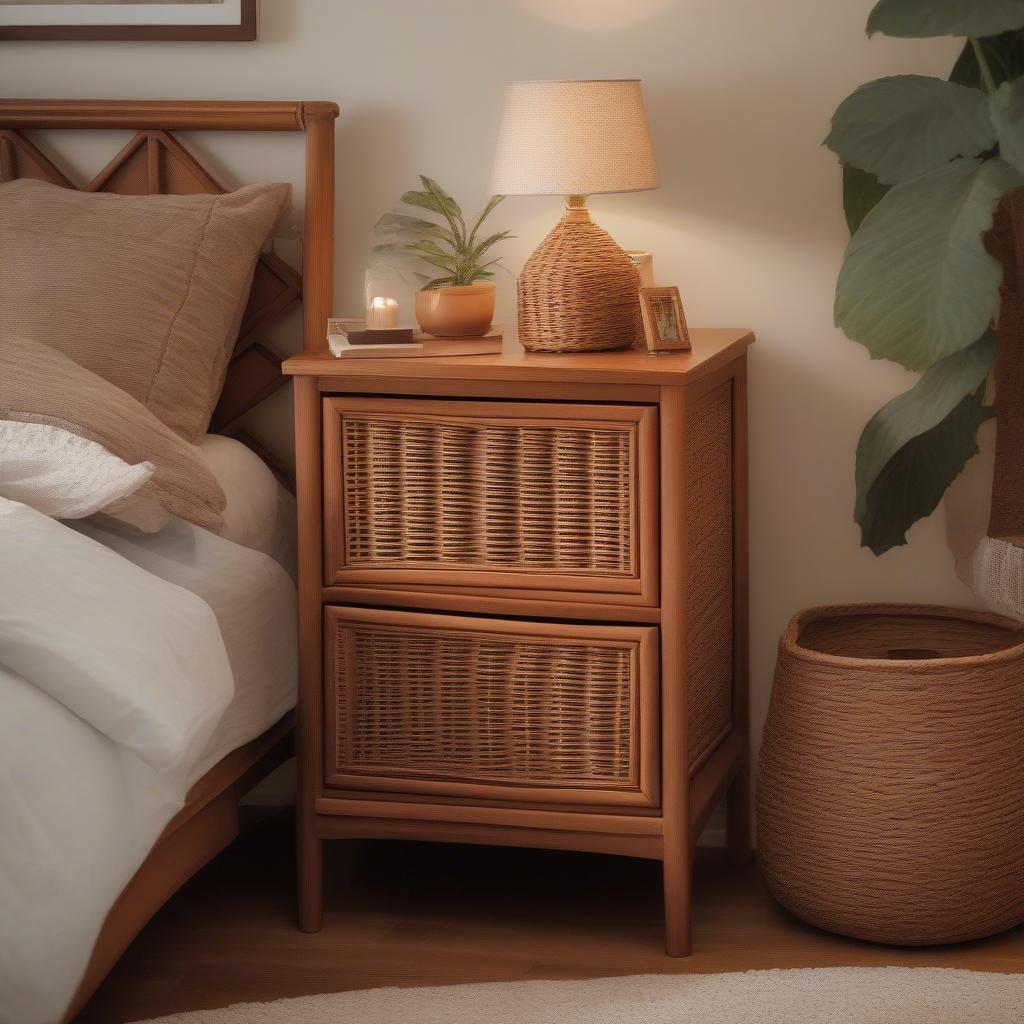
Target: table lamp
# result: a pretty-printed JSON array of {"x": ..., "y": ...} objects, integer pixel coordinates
[{"x": 578, "y": 291}]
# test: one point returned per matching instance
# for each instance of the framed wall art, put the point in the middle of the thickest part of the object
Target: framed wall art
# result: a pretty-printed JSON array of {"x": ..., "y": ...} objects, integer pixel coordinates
[{"x": 128, "y": 19}]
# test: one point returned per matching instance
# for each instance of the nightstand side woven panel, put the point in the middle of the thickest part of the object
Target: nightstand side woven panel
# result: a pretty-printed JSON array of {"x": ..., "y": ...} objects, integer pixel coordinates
[{"x": 709, "y": 593}]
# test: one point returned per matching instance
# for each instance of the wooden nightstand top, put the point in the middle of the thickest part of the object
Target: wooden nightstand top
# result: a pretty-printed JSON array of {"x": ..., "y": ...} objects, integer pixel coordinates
[{"x": 712, "y": 348}]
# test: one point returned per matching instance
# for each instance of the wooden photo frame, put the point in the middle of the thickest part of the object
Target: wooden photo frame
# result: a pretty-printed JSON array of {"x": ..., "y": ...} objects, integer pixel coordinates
[
  {"x": 665, "y": 327},
  {"x": 231, "y": 20}
]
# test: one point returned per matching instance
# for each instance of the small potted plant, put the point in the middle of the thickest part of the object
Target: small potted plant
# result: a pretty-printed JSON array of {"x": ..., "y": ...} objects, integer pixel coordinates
[{"x": 458, "y": 302}]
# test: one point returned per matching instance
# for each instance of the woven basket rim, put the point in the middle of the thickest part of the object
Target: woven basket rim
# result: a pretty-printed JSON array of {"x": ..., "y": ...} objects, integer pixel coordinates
[{"x": 791, "y": 645}]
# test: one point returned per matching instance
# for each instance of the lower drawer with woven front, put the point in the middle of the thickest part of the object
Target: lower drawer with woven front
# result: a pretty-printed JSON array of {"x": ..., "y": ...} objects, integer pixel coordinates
[{"x": 495, "y": 709}]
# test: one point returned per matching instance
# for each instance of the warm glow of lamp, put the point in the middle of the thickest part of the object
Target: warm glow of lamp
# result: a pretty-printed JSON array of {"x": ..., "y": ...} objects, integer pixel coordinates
[
  {"x": 595, "y": 15},
  {"x": 579, "y": 289}
]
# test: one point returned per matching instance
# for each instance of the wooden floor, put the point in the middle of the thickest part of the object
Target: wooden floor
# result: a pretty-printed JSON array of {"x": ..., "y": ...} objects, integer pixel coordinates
[{"x": 417, "y": 914}]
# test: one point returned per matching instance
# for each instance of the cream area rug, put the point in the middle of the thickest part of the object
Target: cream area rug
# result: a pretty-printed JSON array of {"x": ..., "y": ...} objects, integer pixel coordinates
[{"x": 840, "y": 995}]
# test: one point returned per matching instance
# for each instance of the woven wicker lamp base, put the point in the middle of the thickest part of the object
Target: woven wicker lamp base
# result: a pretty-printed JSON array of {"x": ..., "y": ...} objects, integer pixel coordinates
[{"x": 579, "y": 291}]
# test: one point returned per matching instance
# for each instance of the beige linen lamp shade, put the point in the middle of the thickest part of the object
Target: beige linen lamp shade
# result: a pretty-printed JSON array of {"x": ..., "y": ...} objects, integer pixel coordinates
[
  {"x": 574, "y": 138},
  {"x": 579, "y": 291}
]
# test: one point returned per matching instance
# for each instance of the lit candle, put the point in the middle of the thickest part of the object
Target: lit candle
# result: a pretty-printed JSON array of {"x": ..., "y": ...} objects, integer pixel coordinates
[{"x": 382, "y": 314}]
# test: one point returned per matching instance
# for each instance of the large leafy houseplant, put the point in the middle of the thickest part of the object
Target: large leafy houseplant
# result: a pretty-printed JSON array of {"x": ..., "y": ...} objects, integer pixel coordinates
[{"x": 926, "y": 162}]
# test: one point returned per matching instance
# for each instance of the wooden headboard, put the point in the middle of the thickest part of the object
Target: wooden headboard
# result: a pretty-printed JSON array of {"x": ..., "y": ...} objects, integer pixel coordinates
[{"x": 155, "y": 162}]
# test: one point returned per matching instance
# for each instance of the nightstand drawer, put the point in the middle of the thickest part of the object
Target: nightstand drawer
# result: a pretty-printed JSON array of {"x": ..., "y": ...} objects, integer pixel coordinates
[
  {"x": 494, "y": 709},
  {"x": 503, "y": 495}
]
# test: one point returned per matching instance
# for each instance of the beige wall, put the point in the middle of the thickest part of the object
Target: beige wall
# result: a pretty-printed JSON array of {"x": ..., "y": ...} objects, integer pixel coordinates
[{"x": 748, "y": 222}]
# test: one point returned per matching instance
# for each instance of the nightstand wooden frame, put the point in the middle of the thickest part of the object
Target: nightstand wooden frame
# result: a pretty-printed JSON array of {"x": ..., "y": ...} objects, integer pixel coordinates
[{"x": 677, "y": 804}]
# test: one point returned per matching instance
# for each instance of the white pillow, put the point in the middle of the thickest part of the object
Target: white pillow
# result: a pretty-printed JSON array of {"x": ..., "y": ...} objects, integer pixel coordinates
[
  {"x": 66, "y": 476},
  {"x": 252, "y": 514}
]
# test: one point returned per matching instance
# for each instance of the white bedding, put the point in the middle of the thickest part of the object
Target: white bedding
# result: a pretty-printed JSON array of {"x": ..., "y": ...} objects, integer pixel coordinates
[
  {"x": 254, "y": 602},
  {"x": 100, "y": 738}
]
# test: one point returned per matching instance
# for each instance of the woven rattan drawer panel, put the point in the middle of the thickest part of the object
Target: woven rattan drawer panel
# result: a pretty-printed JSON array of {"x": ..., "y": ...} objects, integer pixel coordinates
[
  {"x": 709, "y": 594},
  {"x": 499, "y": 709},
  {"x": 498, "y": 494}
]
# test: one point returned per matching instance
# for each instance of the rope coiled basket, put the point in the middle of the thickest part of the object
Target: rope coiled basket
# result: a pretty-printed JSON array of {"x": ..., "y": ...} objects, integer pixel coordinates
[{"x": 890, "y": 798}]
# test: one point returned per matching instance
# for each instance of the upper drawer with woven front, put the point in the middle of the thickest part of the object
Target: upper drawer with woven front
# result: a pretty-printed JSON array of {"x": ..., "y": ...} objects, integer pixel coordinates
[{"x": 527, "y": 495}]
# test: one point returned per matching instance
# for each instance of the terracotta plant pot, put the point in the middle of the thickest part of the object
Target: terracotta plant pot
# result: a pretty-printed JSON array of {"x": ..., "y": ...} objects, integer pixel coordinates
[{"x": 465, "y": 311}]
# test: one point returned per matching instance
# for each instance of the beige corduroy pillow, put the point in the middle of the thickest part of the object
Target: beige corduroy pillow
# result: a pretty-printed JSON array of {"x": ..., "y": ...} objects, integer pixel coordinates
[
  {"x": 38, "y": 384},
  {"x": 146, "y": 291}
]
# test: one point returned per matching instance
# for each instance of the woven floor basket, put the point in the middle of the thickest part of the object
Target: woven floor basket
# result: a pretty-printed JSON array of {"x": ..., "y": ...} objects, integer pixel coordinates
[
  {"x": 891, "y": 793},
  {"x": 579, "y": 291}
]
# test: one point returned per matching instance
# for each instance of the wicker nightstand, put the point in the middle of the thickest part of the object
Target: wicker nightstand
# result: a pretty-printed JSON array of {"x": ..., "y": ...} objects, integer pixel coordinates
[{"x": 523, "y": 603}]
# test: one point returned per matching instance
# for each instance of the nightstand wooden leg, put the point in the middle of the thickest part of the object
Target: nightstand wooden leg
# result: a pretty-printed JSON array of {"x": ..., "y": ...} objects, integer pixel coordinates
[
  {"x": 311, "y": 882},
  {"x": 737, "y": 818},
  {"x": 678, "y": 884}
]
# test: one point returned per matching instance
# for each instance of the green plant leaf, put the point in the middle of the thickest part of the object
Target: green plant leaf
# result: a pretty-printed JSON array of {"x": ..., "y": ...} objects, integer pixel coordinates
[
  {"x": 920, "y": 19},
  {"x": 917, "y": 283},
  {"x": 438, "y": 282},
  {"x": 425, "y": 245},
  {"x": 436, "y": 204},
  {"x": 441, "y": 262},
  {"x": 1005, "y": 57},
  {"x": 448, "y": 208},
  {"x": 439, "y": 193},
  {"x": 491, "y": 204},
  {"x": 861, "y": 193},
  {"x": 487, "y": 243},
  {"x": 400, "y": 224},
  {"x": 913, "y": 482},
  {"x": 1008, "y": 115},
  {"x": 900, "y": 127},
  {"x": 392, "y": 252},
  {"x": 939, "y": 391}
]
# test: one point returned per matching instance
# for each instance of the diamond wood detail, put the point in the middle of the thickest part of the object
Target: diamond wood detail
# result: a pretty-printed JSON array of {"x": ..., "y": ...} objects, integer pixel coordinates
[{"x": 19, "y": 158}]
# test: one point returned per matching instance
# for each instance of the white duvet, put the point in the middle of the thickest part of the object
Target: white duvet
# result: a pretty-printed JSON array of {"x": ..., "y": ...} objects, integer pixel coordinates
[{"x": 112, "y": 682}]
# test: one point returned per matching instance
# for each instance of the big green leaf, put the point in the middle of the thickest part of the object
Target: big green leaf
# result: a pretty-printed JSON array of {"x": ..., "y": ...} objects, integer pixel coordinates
[
  {"x": 862, "y": 192},
  {"x": 897, "y": 128},
  {"x": 917, "y": 283},
  {"x": 1004, "y": 55},
  {"x": 912, "y": 483},
  {"x": 1008, "y": 115},
  {"x": 939, "y": 391},
  {"x": 920, "y": 18}
]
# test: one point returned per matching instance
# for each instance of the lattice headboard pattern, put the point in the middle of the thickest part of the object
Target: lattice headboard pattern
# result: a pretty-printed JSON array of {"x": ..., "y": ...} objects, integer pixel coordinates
[{"x": 155, "y": 162}]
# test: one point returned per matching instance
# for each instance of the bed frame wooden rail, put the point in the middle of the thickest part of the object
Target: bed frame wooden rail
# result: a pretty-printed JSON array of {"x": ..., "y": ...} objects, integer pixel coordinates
[{"x": 154, "y": 161}]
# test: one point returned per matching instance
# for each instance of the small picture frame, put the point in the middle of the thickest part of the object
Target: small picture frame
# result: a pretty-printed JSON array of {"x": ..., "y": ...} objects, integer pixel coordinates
[{"x": 664, "y": 321}]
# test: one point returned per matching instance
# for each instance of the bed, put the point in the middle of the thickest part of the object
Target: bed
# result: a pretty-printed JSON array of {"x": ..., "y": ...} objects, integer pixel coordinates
[{"x": 168, "y": 836}]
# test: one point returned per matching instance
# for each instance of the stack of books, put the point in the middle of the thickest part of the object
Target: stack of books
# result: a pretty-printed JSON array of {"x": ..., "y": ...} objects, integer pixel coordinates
[{"x": 349, "y": 338}]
